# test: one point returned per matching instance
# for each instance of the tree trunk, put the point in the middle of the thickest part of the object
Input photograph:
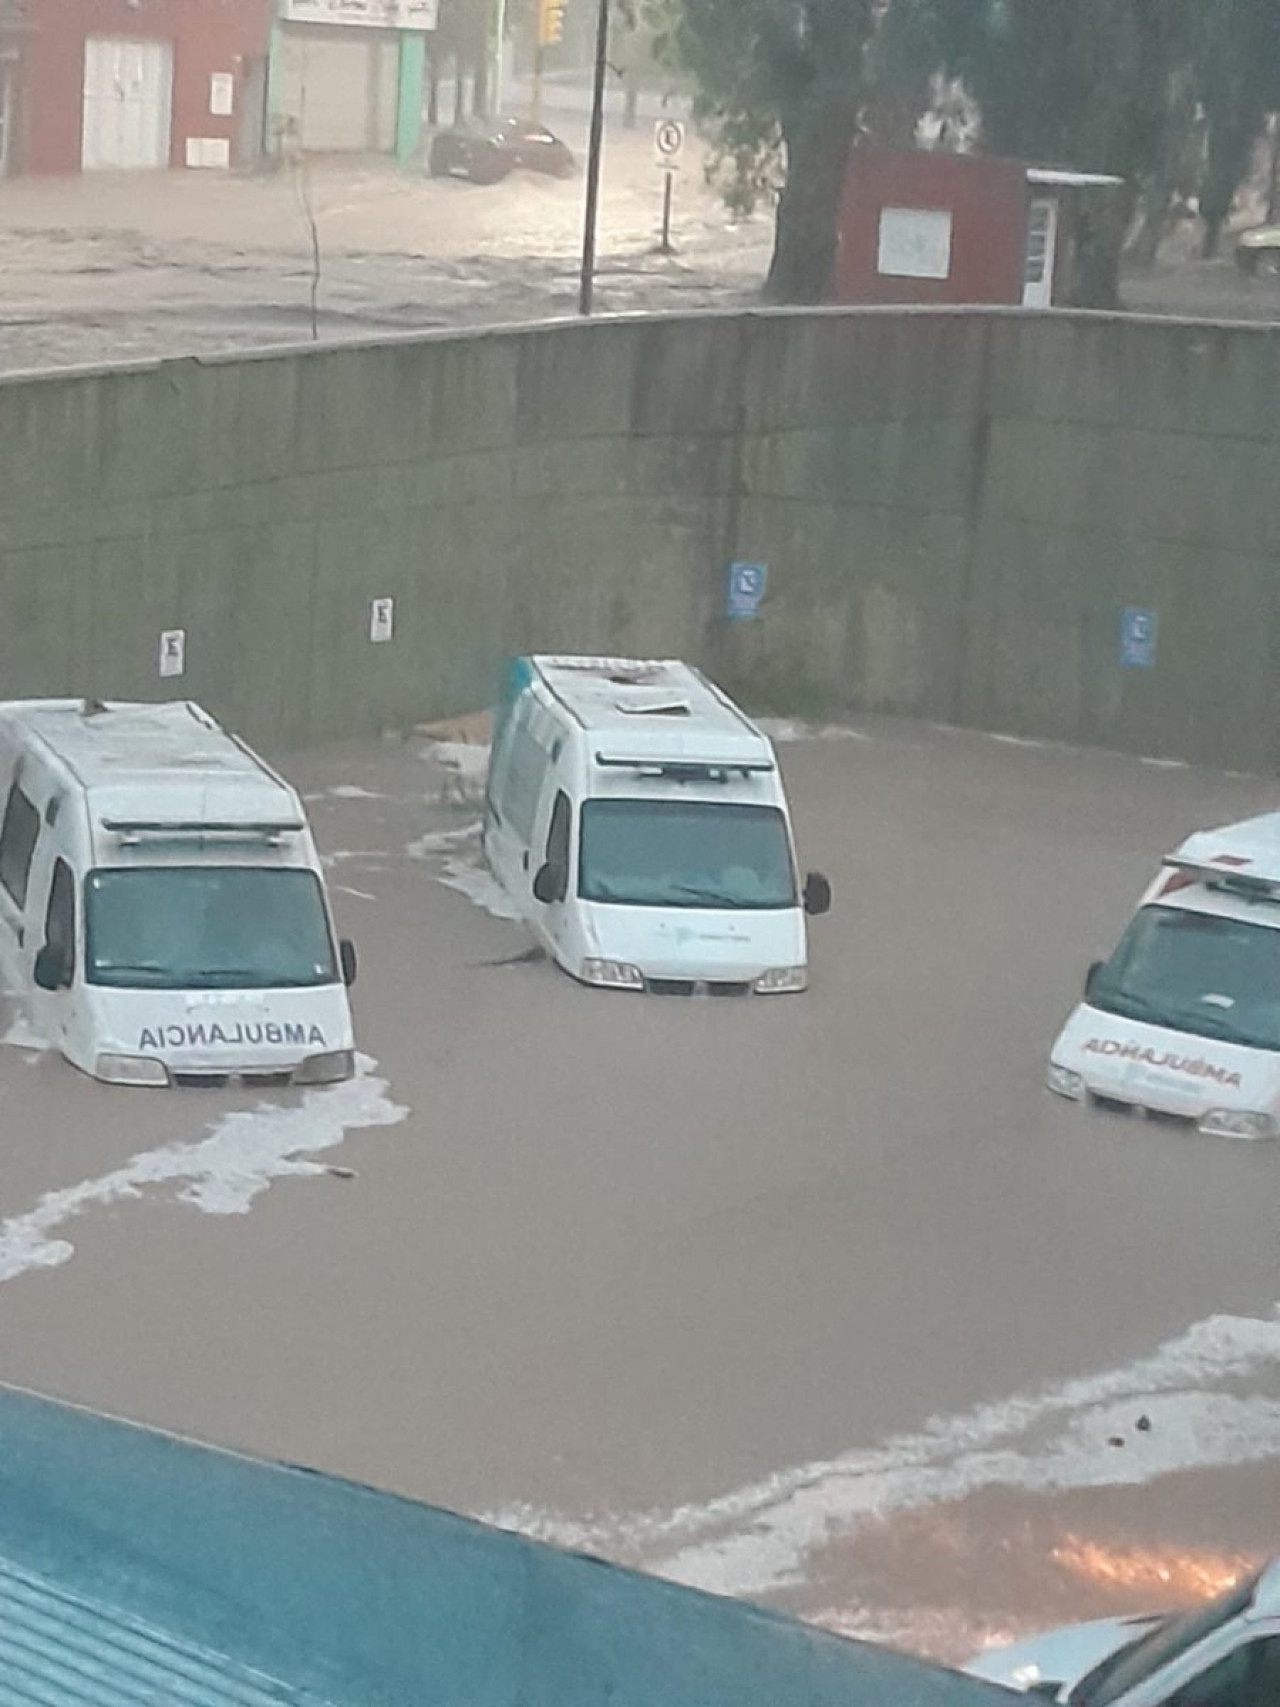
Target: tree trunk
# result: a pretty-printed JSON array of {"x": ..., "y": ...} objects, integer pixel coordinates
[
  {"x": 459, "y": 92},
  {"x": 1232, "y": 135},
  {"x": 1156, "y": 200},
  {"x": 1101, "y": 228},
  {"x": 433, "y": 91},
  {"x": 818, "y": 147}
]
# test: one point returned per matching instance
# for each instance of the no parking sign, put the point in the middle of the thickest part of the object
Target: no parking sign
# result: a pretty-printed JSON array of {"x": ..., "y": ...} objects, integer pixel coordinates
[
  {"x": 1137, "y": 638},
  {"x": 746, "y": 589},
  {"x": 668, "y": 143}
]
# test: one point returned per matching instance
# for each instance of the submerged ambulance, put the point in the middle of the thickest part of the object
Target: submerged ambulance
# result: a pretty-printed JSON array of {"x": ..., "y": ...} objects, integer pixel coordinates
[
  {"x": 637, "y": 818},
  {"x": 1183, "y": 1021},
  {"x": 162, "y": 910}
]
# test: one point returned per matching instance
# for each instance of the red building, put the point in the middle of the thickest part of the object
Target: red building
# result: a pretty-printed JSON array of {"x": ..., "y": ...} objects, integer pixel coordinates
[
  {"x": 124, "y": 84},
  {"x": 955, "y": 228}
]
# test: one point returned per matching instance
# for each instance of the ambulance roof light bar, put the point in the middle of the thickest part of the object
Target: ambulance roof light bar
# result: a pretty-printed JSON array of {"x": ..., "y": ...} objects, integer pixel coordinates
[{"x": 131, "y": 832}]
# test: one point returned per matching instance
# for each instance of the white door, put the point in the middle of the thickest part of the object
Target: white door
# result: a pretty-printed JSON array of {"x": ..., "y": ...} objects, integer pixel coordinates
[
  {"x": 128, "y": 98},
  {"x": 1042, "y": 250}
]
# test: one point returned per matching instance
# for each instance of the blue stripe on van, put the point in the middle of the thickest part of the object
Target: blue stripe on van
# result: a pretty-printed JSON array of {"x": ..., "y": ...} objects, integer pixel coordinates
[{"x": 516, "y": 676}]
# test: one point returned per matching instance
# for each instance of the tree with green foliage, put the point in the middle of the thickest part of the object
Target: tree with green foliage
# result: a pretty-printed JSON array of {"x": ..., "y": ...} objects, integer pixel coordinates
[
  {"x": 788, "y": 87},
  {"x": 1237, "y": 71},
  {"x": 1083, "y": 86},
  {"x": 780, "y": 89}
]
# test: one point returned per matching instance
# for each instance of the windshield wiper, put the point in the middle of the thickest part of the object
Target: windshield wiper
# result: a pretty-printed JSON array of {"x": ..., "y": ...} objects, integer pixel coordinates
[
  {"x": 249, "y": 978},
  {"x": 1204, "y": 1022},
  {"x": 1128, "y": 1006},
  {"x": 711, "y": 897},
  {"x": 115, "y": 969}
]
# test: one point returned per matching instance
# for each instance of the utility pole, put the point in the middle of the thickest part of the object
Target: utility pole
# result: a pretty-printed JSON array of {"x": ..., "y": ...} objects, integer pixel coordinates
[
  {"x": 497, "y": 57},
  {"x": 586, "y": 293}
]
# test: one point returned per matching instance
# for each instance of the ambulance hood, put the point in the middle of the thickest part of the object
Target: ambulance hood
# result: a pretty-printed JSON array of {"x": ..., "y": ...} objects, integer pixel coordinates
[
  {"x": 729, "y": 945},
  {"x": 1174, "y": 1071},
  {"x": 221, "y": 1030}
]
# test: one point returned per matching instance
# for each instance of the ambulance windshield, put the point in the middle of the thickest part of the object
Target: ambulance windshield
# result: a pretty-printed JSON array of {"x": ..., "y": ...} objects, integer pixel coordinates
[
  {"x": 202, "y": 927},
  {"x": 1202, "y": 973},
  {"x": 676, "y": 853}
]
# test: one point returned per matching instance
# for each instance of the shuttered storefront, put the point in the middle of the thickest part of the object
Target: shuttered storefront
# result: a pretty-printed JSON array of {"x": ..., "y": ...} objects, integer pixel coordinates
[{"x": 337, "y": 89}]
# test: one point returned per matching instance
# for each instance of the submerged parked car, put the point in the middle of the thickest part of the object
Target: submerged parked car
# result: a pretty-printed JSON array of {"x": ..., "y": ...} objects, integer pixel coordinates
[
  {"x": 1258, "y": 249},
  {"x": 488, "y": 156},
  {"x": 1225, "y": 1653}
]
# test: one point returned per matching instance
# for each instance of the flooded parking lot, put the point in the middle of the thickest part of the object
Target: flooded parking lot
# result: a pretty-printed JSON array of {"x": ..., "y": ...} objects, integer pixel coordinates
[{"x": 819, "y": 1299}]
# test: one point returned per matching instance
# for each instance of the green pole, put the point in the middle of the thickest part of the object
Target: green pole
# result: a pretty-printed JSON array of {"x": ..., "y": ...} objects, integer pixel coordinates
[{"x": 413, "y": 60}]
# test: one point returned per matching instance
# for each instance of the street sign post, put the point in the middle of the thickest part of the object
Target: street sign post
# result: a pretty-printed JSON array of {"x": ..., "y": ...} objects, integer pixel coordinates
[{"x": 668, "y": 146}]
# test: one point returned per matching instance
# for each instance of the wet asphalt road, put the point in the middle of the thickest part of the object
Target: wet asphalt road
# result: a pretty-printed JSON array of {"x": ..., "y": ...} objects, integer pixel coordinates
[{"x": 624, "y": 1256}]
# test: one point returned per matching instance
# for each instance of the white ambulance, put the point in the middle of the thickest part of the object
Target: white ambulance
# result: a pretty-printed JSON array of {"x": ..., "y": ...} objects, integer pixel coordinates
[
  {"x": 637, "y": 818},
  {"x": 162, "y": 910},
  {"x": 1182, "y": 1023}
]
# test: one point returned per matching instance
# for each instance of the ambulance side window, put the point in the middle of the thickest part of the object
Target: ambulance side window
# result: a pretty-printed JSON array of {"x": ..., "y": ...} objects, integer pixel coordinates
[
  {"x": 18, "y": 835},
  {"x": 524, "y": 782},
  {"x": 60, "y": 920},
  {"x": 558, "y": 834}
]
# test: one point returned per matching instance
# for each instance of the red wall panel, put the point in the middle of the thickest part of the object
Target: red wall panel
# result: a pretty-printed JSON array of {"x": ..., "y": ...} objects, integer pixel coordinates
[
  {"x": 208, "y": 36},
  {"x": 987, "y": 201}
]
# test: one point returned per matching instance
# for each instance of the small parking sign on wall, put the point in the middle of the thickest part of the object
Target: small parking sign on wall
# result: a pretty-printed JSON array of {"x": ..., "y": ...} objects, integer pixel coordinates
[
  {"x": 173, "y": 652},
  {"x": 382, "y": 621},
  {"x": 1137, "y": 638},
  {"x": 746, "y": 589}
]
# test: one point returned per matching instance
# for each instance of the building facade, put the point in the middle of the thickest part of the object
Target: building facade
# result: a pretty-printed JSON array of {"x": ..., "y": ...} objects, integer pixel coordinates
[
  {"x": 347, "y": 75},
  {"x": 135, "y": 84}
]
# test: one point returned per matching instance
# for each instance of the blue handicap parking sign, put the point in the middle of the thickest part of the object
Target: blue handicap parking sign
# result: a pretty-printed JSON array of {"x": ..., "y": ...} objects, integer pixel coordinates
[
  {"x": 746, "y": 589},
  {"x": 1137, "y": 638}
]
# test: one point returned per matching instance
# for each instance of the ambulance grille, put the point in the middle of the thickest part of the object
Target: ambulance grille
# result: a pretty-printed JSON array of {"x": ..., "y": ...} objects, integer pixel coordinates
[
  {"x": 217, "y": 1081},
  {"x": 694, "y": 987},
  {"x": 1139, "y": 1111}
]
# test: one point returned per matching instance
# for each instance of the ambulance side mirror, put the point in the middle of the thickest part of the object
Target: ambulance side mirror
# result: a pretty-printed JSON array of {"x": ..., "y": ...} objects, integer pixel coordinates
[
  {"x": 1091, "y": 977},
  {"x": 52, "y": 970},
  {"x": 347, "y": 960},
  {"x": 817, "y": 894}
]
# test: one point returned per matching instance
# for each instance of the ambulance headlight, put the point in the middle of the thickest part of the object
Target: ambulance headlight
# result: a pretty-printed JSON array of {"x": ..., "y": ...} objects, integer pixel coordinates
[
  {"x": 130, "y": 1070},
  {"x": 1238, "y": 1123},
  {"x": 780, "y": 979},
  {"x": 1064, "y": 1083},
  {"x": 612, "y": 974},
  {"x": 325, "y": 1069}
]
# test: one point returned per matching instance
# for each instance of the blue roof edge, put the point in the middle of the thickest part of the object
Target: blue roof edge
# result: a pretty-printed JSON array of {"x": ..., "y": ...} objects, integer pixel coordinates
[{"x": 369, "y": 1599}]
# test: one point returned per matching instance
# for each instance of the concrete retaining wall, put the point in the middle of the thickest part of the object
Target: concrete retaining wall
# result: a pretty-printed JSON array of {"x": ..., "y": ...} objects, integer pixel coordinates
[{"x": 954, "y": 507}]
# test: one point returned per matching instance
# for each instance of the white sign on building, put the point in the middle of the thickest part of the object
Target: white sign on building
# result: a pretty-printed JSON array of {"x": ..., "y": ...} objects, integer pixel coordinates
[
  {"x": 375, "y": 14},
  {"x": 915, "y": 243}
]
